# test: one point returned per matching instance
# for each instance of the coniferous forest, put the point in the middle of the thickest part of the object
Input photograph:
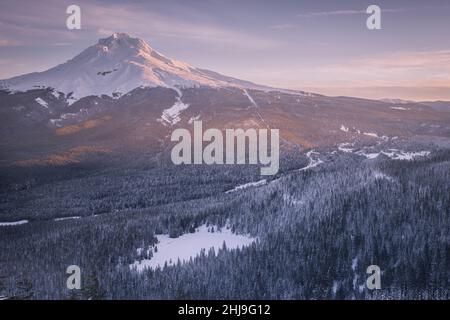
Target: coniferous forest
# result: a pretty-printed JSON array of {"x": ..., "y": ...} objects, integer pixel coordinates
[{"x": 317, "y": 230}]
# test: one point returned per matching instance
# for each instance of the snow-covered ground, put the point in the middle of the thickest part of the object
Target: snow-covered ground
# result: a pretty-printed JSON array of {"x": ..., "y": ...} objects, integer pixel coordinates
[
  {"x": 344, "y": 128},
  {"x": 354, "y": 130},
  {"x": 67, "y": 218},
  {"x": 312, "y": 162},
  {"x": 394, "y": 154},
  {"x": 56, "y": 94},
  {"x": 402, "y": 155},
  {"x": 42, "y": 102},
  {"x": 248, "y": 185},
  {"x": 187, "y": 246},
  {"x": 374, "y": 135},
  {"x": 250, "y": 98},
  {"x": 344, "y": 147},
  {"x": 172, "y": 115},
  {"x": 14, "y": 223}
]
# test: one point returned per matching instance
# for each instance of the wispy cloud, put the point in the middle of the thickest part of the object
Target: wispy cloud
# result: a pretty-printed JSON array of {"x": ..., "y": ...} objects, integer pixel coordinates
[
  {"x": 128, "y": 18},
  {"x": 47, "y": 27},
  {"x": 8, "y": 43},
  {"x": 425, "y": 73},
  {"x": 285, "y": 26},
  {"x": 413, "y": 69},
  {"x": 342, "y": 13}
]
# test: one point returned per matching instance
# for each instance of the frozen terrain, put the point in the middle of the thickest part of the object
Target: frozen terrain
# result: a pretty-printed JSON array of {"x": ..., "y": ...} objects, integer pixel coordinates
[
  {"x": 67, "y": 218},
  {"x": 248, "y": 185},
  {"x": 187, "y": 246},
  {"x": 14, "y": 223},
  {"x": 393, "y": 154},
  {"x": 42, "y": 102},
  {"x": 312, "y": 162},
  {"x": 172, "y": 115}
]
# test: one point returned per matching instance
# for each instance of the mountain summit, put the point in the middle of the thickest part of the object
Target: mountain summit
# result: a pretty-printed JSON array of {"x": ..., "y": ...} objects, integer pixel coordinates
[{"x": 119, "y": 64}]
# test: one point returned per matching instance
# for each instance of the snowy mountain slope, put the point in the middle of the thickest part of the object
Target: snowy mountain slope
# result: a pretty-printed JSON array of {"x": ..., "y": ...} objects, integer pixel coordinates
[
  {"x": 117, "y": 65},
  {"x": 158, "y": 93}
]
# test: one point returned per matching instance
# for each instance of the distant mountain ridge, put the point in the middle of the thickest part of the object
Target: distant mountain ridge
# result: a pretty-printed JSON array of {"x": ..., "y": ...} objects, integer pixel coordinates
[{"x": 123, "y": 96}]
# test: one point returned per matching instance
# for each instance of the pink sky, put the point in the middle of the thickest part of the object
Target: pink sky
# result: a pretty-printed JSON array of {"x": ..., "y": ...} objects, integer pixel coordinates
[{"x": 322, "y": 46}]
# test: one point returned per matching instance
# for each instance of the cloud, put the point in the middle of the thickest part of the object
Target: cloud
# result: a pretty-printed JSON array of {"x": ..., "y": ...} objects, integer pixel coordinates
[
  {"x": 33, "y": 25},
  {"x": 425, "y": 73},
  {"x": 283, "y": 26},
  {"x": 8, "y": 43},
  {"x": 342, "y": 13},
  {"x": 134, "y": 20},
  {"x": 422, "y": 68},
  {"x": 398, "y": 69},
  {"x": 409, "y": 60},
  {"x": 141, "y": 19},
  {"x": 330, "y": 13}
]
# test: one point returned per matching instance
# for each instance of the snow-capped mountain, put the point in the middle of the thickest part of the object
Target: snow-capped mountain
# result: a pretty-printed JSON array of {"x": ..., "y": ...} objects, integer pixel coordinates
[
  {"x": 117, "y": 65},
  {"x": 122, "y": 95}
]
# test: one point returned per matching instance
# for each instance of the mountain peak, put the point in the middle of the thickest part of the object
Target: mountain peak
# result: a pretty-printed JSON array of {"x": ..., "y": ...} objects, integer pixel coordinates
[
  {"x": 120, "y": 39},
  {"x": 115, "y": 37},
  {"x": 118, "y": 35},
  {"x": 120, "y": 63}
]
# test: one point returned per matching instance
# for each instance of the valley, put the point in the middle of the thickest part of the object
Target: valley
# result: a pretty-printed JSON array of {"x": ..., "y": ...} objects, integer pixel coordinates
[{"x": 87, "y": 179}]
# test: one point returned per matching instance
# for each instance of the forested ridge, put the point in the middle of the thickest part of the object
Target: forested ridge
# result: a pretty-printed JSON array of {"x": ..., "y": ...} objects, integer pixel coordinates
[{"x": 318, "y": 230}]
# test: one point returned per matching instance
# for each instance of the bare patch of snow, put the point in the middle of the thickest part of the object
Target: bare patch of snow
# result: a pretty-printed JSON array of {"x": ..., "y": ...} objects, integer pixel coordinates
[
  {"x": 42, "y": 102},
  {"x": 344, "y": 128},
  {"x": 57, "y": 122},
  {"x": 370, "y": 134},
  {"x": 402, "y": 155},
  {"x": 397, "y": 101},
  {"x": 312, "y": 162},
  {"x": 56, "y": 94},
  {"x": 371, "y": 155},
  {"x": 335, "y": 287},
  {"x": 395, "y": 154},
  {"x": 171, "y": 116},
  {"x": 14, "y": 223},
  {"x": 190, "y": 245},
  {"x": 67, "y": 218},
  {"x": 344, "y": 147},
  {"x": 250, "y": 98},
  {"x": 248, "y": 185},
  {"x": 374, "y": 135}
]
